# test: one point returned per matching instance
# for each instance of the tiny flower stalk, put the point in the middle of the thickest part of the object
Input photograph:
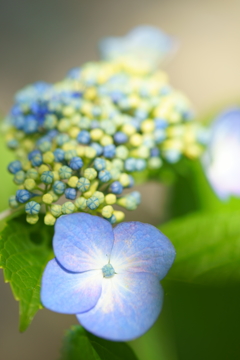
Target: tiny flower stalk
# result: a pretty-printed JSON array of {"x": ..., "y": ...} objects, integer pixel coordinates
[{"x": 80, "y": 143}]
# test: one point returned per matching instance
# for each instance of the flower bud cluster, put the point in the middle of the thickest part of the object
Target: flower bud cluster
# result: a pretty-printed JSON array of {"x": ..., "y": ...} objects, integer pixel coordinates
[{"x": 80, "y": 141}]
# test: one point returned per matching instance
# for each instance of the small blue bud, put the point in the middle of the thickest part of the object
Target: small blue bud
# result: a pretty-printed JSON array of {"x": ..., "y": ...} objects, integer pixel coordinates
[
  {"x": 137, "y": 196},
  {"x": 59, "y": 155},
  {"x": 13, "y": 143},
  {"x": 95, "y": 124},
  {"x": 132, "y": 182},
  {"x": 141, "y": 114},
  {"x": 97, "y": 147},
  {"x": 160, "y": 123},
  {"x": 83, "y": 184},
  {"x": 130, "y": 164},
  {"x": 13, "y": 202},
  {"x": 70, "y": 193},
  {"x": 76, "y": 163},
  {"x": 47, "y": 177},
  {"x": 99, "y": 164},
  {"x": 104, "y": 175},
  {"x": 33, "y": 153},
  {"x": 65, "y": 172},
  {"x": 84, "y": 137},
  {"x": 120, "y": 137},
  {"x": 62, "y": 139},
  {"x": 59, "y": 187},
  {"x": 112, "y": 219},
  {"x": 14, "y": 167},
  {"x": 30, "y": 125},
  {"x": 32, "y": 208},
  {"x": 37, "y": 160},
  {"x": 109, "y": 151},
  {"x": 140, "y": 164},
  {"x": 154, "y": 152},
  {"x": 116, "y": 188},
  {"x": 159, "y": 135},
  {"x": 23, "y": 196},
  {"x": 93, "y": 203}
]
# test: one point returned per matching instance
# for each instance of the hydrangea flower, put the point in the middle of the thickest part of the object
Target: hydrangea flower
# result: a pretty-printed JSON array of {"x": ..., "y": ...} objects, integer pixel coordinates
[
  {"x": 108, "y": 277},
  {"x": 144, "y": 43},
  {"x": 221, "y": 160}
]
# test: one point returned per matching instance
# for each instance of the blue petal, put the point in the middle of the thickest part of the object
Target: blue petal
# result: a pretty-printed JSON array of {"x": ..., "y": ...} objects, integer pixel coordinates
[
  {"x": 129, "y": 305},
  {"x": 82, "y": 242},
  {"x": 70, "y": 293},
  {"x": 221, "y": 160},
  {"x": 145, "y": 43},
  {"x": 141, "y": 247}
]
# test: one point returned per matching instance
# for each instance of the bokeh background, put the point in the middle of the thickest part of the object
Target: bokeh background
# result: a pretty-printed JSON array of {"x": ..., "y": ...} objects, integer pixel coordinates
[{"x": 41, "y": 40}]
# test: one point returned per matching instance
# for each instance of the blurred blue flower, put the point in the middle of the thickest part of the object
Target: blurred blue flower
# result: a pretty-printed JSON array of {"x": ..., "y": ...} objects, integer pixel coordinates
[
  {"x": 221, "y": 160},
  {"x": 144, "y": 43},
  {"x": 108, "y": 277}
]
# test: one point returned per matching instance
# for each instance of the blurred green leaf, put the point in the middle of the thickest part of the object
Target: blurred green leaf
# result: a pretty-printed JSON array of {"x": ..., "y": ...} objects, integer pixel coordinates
[
  {"x": 207, "y": 246},
  {"x": 192, "y": 192},
  {"x": 24, "y": 252},
  {"x": 79, "y": 344}
]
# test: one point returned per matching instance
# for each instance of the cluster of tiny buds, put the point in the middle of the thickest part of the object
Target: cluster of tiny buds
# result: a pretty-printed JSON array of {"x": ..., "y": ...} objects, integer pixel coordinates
[
  {"x": 86, "y": 137},
  {"x": 87, "y": 185}
]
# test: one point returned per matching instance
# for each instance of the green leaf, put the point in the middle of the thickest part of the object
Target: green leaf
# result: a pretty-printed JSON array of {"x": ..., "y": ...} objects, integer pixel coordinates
[
  {"x": 207, "y": 246},
  {"x": 24, "y": 252},
  {"x": 79, "y": 344},
  {"x": 192, "y": 192}
]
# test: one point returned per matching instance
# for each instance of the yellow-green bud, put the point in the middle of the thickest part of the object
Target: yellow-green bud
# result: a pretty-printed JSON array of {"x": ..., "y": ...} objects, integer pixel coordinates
[
  {"x": 64, "y": 125},
  {"x": 99, "y": 195},
  {"x": 47, "y": 199},
  {"x": 72, "y": 182},
  {"x": 147, "y": 126},
  {"x": 110, "y": 199},
  {"x": 136, "y": 140},
  {"x": 48, "y": 157},
  {"x": 124, "y": 179},
  {"x": 55, "y": 196},
  {"x": 106, "y": 140},
  {"x": 96, "y": 134},
  {"x": 42, "y": 168},
  {"x": 107, "y": 211},
  {"x": 119, "y": 215},
  {"x": 26, "y": 165},
  {"x": 80, "y": 150},
  {"x": 29, "y": 184},
  {"x": 87, "y": 194},
  {"x": 128, "y": 129},
  {"x": 56, "y": 210},
  {"x": 90, "y": 173},
  {"x": 32, "y": 219},
  {"x": 73, "y": 132},
  {"x": 81, "y": 203},
  {"x": 90, "y": 153},
  {"x": 68, "y": 207},
  {"x": 32, "y": 174},
  {"x": 49, "y": 219},
  {"x": 57, "y": 166},
  {"x": 68, "y": 110},
  {"x": 55, "y": 175}
]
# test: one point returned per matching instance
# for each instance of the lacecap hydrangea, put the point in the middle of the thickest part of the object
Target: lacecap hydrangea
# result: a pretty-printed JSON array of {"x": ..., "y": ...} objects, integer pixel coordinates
[
  {"x": 109, "y": 278},
  {"x": 80, "y": 143},
  {"x": 221, "y": 158}
]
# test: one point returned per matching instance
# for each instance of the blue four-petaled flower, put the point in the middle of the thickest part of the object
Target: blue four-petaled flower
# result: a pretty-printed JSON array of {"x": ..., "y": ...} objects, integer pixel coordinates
[{"x": 108, "y": 277}]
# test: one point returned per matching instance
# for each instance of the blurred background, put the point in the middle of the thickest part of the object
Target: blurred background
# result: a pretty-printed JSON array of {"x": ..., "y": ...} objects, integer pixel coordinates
[{"x": 41, "y": 40}]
